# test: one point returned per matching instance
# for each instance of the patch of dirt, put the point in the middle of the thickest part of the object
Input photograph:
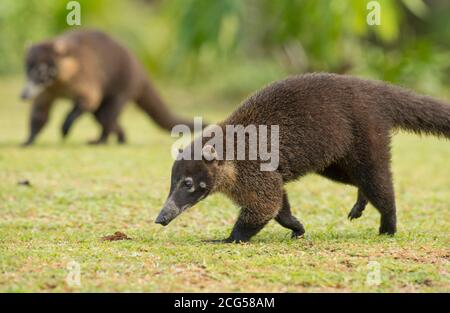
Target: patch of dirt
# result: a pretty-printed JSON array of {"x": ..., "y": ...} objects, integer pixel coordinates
[
  {"x": 24, "y": 182},
  {"x": 118, "y": 235},
  {"x": 347, "y": 263},
  {"x": 428, "y": 282},
  {"x": 49, "y": 286},
  {"x": 195, "y": 276}
]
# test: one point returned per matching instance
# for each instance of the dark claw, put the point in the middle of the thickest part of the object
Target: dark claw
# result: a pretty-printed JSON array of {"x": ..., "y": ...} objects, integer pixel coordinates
[
  {"x": 297, "y": 233},
  {"x": 354, "y": 213},
  {"x": 388, "y": 228}
]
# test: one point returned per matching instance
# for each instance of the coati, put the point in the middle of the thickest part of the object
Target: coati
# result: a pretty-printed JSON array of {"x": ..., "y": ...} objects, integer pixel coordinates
[
  {"x": 335, "y": 126},
  {"x": 100, "y": 75}
]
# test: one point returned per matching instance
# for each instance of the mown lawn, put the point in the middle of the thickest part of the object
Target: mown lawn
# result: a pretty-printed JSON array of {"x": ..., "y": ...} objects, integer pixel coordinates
[{"x": 80, "y": 193}]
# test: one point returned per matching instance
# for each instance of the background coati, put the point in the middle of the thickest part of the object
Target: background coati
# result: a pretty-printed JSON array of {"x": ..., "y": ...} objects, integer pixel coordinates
[
  {"x": 332, "y": 125},
  {"x": 98, "y": 74}
]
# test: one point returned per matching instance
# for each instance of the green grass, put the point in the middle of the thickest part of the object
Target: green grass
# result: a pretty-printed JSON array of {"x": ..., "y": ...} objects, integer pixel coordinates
[{"x": 80, "y": 193}]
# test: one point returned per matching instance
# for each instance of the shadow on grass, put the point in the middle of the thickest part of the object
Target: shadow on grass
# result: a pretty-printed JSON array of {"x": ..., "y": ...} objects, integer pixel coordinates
[
  {"x": 72, "y": 145},
  {"x": 363, "y": 237}
]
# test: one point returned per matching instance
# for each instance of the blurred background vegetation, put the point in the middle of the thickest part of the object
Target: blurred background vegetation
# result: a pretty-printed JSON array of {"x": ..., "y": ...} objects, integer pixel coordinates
[{"x": 237, "y": 46}]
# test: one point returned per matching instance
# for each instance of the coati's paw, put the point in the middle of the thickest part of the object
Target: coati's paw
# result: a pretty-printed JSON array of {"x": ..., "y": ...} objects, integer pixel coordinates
[
  {"x": 121, "y": 139},
  {"x": 297, "y": 233},
  {"x": 235, "y": 239},
  {"x": 64, "y": 133},
  {"x": 387, "y": 230},
  {"x": 26, "y": 144},
  {"x": 355, "y": 212},
  {"x": 388, "y": 224},
  {"x": 232, "y": 239}
]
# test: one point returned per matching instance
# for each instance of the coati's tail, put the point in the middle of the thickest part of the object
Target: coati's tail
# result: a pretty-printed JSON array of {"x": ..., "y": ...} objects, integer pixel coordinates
[
  {"x": 151, "y": 103},
  {"x": 419, "y": 114}
]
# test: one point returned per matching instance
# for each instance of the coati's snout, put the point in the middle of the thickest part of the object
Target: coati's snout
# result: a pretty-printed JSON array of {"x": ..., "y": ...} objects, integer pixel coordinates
[
  {"x": 31, "y": 90},
  {"x": 191, "y": 181},
  {"x": 169, "y": 211}
]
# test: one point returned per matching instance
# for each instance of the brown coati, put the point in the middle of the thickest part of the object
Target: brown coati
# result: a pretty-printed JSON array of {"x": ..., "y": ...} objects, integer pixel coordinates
[
  {"x": 100, "y": 75},
  {"x": 335, "y": 126}
]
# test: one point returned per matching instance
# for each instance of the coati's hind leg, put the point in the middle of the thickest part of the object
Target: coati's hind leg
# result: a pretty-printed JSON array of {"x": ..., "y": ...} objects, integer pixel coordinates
[
  {"x": 358, "y": 208},
  {"x": 83, "y": 102},
  {"x": 370, "y": 168},
  {"x": 121, "y": 138},
  {"x": 107, "y": 115},
  {"x": 336, "y": 173},
  {"x": 286, "y": 219}
]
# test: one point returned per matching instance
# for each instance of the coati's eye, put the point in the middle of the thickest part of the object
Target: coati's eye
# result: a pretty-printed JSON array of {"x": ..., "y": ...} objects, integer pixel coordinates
[{"x": 188, "y": 182}]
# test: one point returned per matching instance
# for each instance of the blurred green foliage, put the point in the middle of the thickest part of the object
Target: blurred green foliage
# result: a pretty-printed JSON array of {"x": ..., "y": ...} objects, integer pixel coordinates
[{"x": 242, "y": 44}]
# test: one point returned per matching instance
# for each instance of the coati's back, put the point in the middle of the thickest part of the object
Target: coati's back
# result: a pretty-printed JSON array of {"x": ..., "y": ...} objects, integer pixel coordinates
[
  {"x": 105, "y": 61},
  {"x": 310, "y": 116},
  {"x": 320, "y": 115}
]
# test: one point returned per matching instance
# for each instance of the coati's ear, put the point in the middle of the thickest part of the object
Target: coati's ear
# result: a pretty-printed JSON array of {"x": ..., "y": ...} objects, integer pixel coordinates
[
  {"x": 179, "y": 155},
  {"x": 61, "y": 47},
  {"x": 209, "y": 153}
]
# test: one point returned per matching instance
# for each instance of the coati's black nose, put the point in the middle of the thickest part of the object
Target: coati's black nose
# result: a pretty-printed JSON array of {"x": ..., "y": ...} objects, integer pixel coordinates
[{"x": 161, "y": 219}]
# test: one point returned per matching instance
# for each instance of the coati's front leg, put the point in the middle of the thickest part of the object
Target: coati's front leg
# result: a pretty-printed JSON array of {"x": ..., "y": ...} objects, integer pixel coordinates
[
  {"x": 286, "y": 219},
  {"x": 249, "y": 223},
  {"x": 370, "y": 167},
  {"x": 336, "y": 173},
  {"x": 39, "y": 116},
  {"x": 260, "y": 199}
]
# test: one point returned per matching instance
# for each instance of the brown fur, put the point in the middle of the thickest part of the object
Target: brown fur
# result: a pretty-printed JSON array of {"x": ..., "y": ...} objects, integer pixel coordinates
[
  {"x": 101, "y": 76},
  {"x": 336, "y": 126}
]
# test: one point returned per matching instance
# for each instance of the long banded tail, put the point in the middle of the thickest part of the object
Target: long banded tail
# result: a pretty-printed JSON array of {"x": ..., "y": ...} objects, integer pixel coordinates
[
  {"x": 152, "y": 104},
  {"x": 416, "y": 113}
]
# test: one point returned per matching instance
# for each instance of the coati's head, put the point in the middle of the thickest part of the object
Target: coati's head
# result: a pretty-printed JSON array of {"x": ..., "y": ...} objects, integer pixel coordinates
[
  {"x": 191, "y": 181},
  {"x": 44, "y": 65}
]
